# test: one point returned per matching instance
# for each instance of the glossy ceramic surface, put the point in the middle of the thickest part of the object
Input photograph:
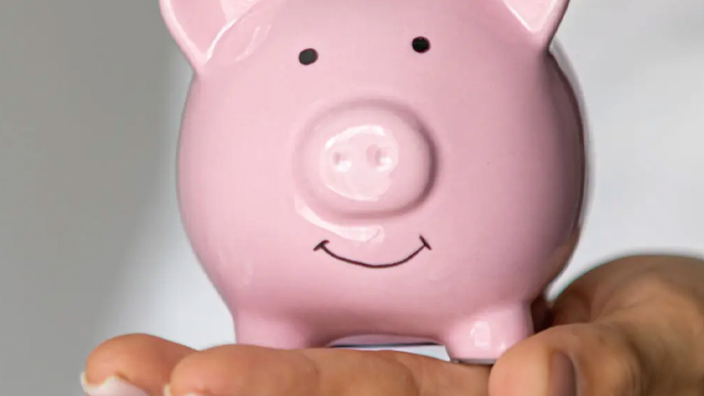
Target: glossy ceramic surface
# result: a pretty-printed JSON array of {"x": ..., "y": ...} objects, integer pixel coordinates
[{"x": 379, "y": 170}]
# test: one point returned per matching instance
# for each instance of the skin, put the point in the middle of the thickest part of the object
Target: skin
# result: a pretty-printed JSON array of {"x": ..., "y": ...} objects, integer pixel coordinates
[{"x": 631, "y": 327}]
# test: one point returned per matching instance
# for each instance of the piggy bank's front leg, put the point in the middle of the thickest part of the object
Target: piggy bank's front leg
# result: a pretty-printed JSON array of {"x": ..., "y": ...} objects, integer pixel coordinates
[
  {"x": 482, "y": 339},
  {"x": 273, "y": 333}
]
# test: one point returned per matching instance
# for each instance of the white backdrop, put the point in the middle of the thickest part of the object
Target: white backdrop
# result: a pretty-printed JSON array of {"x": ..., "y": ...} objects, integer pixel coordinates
[{"x": 90, "y": 241}]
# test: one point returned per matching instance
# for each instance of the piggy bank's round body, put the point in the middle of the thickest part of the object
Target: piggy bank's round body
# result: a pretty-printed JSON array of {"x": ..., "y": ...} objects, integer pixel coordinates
[{"x": 379, "y": 171}]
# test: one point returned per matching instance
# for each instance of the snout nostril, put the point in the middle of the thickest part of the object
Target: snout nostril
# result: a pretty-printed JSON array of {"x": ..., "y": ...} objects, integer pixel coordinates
[
  {"x": 341, "y": 162},
  {"x": 380, "y": 158}
]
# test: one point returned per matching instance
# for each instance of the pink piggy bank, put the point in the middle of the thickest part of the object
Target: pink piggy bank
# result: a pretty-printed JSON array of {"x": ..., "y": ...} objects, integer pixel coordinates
[{"x": 379, "y": 171}]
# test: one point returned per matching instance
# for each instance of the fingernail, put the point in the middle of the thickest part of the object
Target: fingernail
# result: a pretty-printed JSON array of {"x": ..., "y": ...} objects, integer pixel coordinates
[
  {"x": 112, "y": 386},
  {"x": 563, "y": 378}
]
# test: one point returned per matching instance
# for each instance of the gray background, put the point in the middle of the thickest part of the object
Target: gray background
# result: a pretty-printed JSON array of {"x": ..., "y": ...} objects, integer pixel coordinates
[{"x": 90, "y": 98}]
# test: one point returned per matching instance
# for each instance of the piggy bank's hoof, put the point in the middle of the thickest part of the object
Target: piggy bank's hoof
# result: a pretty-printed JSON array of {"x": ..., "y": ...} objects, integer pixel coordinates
[
  {"x": 274, "y": 333},
  {"x": 484, "y": 338}
]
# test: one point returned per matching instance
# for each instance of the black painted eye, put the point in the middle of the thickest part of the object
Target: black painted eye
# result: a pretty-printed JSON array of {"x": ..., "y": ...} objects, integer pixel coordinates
[
  {"x": 308, "y": 56},
  {"x": 421, "y": 44}
]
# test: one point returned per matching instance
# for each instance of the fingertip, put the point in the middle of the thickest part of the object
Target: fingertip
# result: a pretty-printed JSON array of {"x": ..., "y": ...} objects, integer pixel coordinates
[
  {"x": 522, "y": 370},
  {"x": 542, "y": 365},
  {"x": 566, "y": 360},
  {"x": 139, "y": 360}
]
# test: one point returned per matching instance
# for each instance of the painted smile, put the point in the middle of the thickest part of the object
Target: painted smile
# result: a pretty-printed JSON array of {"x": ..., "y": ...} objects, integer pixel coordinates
[{"x": 324, "y": 247}]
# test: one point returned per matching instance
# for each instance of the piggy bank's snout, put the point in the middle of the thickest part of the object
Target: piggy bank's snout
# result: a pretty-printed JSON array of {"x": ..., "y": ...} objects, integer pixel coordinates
[{"x": 366, "y": 160}]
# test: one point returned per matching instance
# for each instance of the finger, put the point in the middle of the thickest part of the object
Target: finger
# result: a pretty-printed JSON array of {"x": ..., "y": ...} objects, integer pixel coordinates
[
  {"x": 644, "y": 336},
  {"x": 253, "y": 371},
  {"x": 132, "y": 365},
  {"x": 625, "y": 282},
  {"x": 604, "y": 358},
  {"x": 584, "y": 359}
]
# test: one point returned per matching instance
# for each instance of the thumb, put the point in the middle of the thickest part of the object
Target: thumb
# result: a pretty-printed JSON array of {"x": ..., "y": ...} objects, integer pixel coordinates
[
  {"x": 571, "y": 360},
  {"x": 623, "y": 331}
]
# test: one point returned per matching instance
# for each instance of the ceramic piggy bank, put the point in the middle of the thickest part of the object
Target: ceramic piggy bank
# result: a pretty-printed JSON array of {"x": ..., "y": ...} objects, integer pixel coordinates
[{"x": 379, "y": 171}]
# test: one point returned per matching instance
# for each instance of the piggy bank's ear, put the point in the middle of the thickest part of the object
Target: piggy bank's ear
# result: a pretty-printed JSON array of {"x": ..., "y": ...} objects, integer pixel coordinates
[
  {"x": 196, "y": 25},
  {"x": 541, "y": 18}
]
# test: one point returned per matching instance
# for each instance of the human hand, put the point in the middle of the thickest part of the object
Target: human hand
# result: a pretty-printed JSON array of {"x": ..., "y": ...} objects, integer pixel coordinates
[{"x": 632, "y": 327}]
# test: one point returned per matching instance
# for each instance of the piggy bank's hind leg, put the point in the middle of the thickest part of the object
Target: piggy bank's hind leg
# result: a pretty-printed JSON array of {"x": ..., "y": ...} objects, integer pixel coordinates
[
  {"x": 273, "y": 333},
  {"x": 483, "y": 338}
]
